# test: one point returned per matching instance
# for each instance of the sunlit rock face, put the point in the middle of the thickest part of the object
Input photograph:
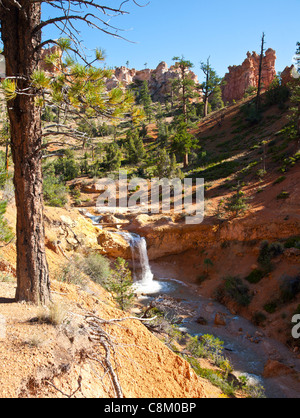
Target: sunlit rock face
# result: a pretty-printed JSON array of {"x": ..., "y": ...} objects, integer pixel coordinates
[
  {"x": 46, "y": 53},
  {"x": 159, "y": 80},
  {"x": 241, "y": 77}
]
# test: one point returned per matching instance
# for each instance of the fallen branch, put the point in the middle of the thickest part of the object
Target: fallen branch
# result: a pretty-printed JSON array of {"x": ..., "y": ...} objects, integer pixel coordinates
[
  {"x": 64, "y": 394},
  {"x": 99, "y": 335}
]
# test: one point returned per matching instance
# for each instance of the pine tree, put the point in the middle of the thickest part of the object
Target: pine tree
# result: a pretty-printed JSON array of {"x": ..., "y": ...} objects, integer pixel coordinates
[
  {"x": 135, "y": 147},
  {"x": 113, "y": 157},
  {"x": 145, "y": 100},
  {"x": 295, "y": 98},
  {"x": 167, "y": 166},
  {"x": 236, "y": 204},
  {"x": 211, "y": 86},
  {"x": 120, "y": 283},
  {"x": 27, "y": 91},
  {"x": 184, "y": 86},
  {"x": 183, "y": 142}
]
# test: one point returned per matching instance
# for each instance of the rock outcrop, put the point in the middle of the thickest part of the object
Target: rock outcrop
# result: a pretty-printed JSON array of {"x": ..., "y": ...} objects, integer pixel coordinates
[
  {"x": 241, "y": 77},
  {"x": 187, "y": 237},
  {"x": 44, "y": 65},
  {"x": 159, "y": 80},
  {"x": 289, "y": 74}
]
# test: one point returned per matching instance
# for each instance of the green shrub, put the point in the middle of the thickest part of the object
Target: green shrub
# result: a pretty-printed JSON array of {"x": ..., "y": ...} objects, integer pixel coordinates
[
  {"x": 267, "y": 253},
  {"x": 71, "y": 271},
  {"x": 279, "y": 180},
  {"x": 208, "y": 347},
  {"x": 97, "y": 267},
  {"x": 255, "y": 276},
  {"x": 252, "y": 115},
  {"x": 270, "y": 307},
  {"x": 6, "y": 233},
  {"x": 261, "y": 173},
  {"x": 113, "y": 157},
  {"x": 292, "y": 242},
  {"x": 215, "y": 377},
  {"x": 78, "y": 268},
  {"x": 66, "y": 167},
  {"x": 259, "y": 318},
  {"x": 48, "y": 115},
  {"x": 289, "y": 288},
  {"x": 283, "y": 195},
  {"x": 237, "y": 290},
  {"x": 55, "y": 192},
  {"x": 276, "y": 93},
  {"x": 3, "y": 175}
]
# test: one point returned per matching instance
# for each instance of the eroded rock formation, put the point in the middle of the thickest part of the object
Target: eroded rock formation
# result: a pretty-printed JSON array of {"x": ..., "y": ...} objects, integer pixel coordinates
[
  {"x": 159, "y": 80},
  {"x": 44, "y": 65},
  {"x": 241, "y": 77},
  {"x": 288, "y": 75}
]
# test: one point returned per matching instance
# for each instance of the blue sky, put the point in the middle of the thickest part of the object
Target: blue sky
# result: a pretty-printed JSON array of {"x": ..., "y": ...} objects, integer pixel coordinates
[{"x": 197, "y": 29}]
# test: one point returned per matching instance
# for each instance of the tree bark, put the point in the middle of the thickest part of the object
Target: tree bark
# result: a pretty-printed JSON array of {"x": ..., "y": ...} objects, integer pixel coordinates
[
  {"x": 186, "y": 160},
  {"x": 22, "y": 59},
  {"x": 298, "y": 123}
]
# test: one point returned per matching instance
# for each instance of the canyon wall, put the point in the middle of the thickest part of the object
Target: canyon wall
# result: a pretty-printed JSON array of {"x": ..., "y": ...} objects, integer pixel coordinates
[
  {"x": 159, "y": 80},
  {"x": 241, "y": 77}
]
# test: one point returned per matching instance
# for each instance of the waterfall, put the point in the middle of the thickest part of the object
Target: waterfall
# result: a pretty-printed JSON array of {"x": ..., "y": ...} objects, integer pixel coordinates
[
  {"x": 142, "y": 274},
  {"x": 139, "y": 252}
]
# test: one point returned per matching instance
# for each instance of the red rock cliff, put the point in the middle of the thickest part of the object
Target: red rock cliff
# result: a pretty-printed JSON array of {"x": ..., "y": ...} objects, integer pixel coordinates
[{"x": 241, "y": 77}]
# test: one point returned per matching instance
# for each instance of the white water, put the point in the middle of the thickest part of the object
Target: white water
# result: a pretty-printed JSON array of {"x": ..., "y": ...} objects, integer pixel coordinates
[{"x": 142, "y": 273}]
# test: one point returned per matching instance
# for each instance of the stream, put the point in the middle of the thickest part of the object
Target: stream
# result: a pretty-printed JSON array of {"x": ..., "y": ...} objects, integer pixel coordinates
[{"x": 245, "y": 345}]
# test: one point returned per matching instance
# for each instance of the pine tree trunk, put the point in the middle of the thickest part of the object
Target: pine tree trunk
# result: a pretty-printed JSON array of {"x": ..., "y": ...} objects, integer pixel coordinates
[
  {"x": 298, "y": 124},
  {"x": 186, "y": 160},
  {"x": 26, "y": 139},
  {"x": 205, "y": 106}
]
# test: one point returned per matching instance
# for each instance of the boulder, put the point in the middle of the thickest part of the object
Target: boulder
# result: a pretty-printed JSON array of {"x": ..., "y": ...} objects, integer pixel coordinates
[
  {"x": 114, "y": 245},
  {"x": 274, "y": 368},
  {"x": 220, "y": 319}
]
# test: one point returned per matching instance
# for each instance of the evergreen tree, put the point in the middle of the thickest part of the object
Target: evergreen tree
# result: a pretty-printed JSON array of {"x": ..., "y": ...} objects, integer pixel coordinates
[
  {"x": 184, "y": 86},
  {"x": 135, "y": 147},
  {"x": 120, "y": 283},
  {"x": 211, "y": 86},
  {"x": 295, "y": 98},
  {"x": 163, "y": 134},
  {"x": 183, "y": 142},
  {"x": 215, "y": 100},
  {"x": 236, "y": 204},
  {"x": 66, "y": 167},
  {"x": 260, "y": 84},
  {"x": 28, "y": 90},
  {"x": 145, "y": 100},
  {"x": 167, "y": 166},
  {"x": 113, "y": 157}
]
